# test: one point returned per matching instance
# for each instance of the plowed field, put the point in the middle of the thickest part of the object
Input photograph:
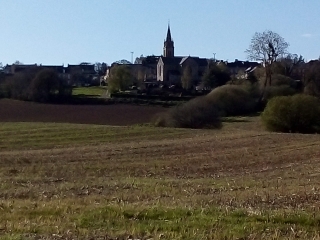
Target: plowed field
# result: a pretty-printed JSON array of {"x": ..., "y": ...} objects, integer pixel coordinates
[{"x": 115, "y": 114}]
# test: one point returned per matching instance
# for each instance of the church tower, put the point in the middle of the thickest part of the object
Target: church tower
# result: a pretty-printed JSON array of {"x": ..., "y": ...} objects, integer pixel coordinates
[{"x": 168, "y": 48}]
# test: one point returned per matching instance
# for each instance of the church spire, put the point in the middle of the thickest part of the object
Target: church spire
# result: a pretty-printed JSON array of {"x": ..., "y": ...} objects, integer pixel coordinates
[
  {"x": 168, "y": 34},
  {"x": 168, "y": 48}
]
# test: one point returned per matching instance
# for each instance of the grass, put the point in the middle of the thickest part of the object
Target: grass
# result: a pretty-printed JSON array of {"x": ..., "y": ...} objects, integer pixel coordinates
[
  {"x": 93, "y": 91},
  {"x": 64, "y": 181}
]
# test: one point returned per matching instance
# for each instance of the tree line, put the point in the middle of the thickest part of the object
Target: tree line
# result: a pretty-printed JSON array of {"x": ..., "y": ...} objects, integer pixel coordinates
[
  {"x": 35, "y": 84},
  {"x": 277, "y": 75}
]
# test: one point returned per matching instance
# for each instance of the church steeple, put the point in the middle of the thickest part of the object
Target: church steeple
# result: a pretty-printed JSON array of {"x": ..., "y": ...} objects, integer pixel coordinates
[
  {"x": 168, "y": 34},
  {"x": 168, "y": 48}
]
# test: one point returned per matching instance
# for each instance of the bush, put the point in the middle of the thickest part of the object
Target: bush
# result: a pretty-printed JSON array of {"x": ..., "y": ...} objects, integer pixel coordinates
[
  {"x": 279, "y": 80},
  {"x": 232, "y": 100},
  {"x": 196, "y": 113},
  {"x": 275, "y": 91},
  {"x": 298, "y": 113},
  {"x": 44, "y": 86},
  {"x": 17, "y": 86},
  {"x": 312, "y": 88}
]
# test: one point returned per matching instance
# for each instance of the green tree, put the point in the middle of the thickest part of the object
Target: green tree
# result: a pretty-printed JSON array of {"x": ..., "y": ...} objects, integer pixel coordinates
[
  {"x": 17, "y": 86},
  {"x": 186, "y": 78},
  {"x": 45, "y": 85},
  {"x": 311, "y": 79},
  {"x": 215, "y": 75},
  {"x": 120, "y": 79}
]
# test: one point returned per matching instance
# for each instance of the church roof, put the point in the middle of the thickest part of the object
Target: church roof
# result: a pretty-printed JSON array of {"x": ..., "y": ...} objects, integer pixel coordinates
[
  {"x": 180, "y": 60},
  {"x": 171, "y": 60},
  {"x": 199, "y": 61}
]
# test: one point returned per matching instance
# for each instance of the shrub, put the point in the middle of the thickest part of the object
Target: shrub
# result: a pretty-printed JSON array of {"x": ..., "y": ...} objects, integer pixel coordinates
[
  {"x": 275, "y": 91},
  {"x": 44, "y": 85},
  {"x": 312, "y": 88},
  {"x": 298, "y": 113},
  {"x": 196, "y": 113},
  {"x": 161, "y": 119},
  {"x": 279, "y": 80},
  {"x": 232, "y": 100},
  {"x": 17, "y": 86}
]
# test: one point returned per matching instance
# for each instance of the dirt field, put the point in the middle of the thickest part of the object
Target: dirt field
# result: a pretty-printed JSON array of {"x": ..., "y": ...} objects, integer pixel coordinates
[
  {"x": 76, "y": 181},
  {"x": 115, "y": 114}
]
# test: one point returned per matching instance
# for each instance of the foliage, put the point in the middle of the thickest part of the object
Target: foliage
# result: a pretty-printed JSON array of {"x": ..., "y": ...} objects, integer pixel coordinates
[
  {"x": 2, "y": 85},
  {"x": 186, "y": 78},
  {"x": 45, "y": 85},
  {"x": 36, "y": 85},
  {"x": 78, "y": 78},
  {"x": 311, "y": 79},
  {"x": 289, "y": 66},
  {"x": 274, "y": 91},
  {"x": 120, "y": 79},
  {"x": 298, "y": 113},
  {"x": 205, "y": 112},
  {"x": 267, "y": 47},
  {"x": 215, "y": 75},
  {"x": 281, "y": 86},
  {"x": 280, "y": 79},
  {"x": 196, "y": 113},
  {"x": 18, "y": 86},
  {"x": 233, "y": 99}
]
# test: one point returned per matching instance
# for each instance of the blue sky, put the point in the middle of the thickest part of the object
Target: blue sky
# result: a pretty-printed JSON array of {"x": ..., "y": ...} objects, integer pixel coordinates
[{"x": 74, "y": 31}]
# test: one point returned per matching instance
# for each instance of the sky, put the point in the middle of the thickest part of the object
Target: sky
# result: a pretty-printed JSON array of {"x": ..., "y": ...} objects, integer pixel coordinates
[{"x": 74, "y": 31}]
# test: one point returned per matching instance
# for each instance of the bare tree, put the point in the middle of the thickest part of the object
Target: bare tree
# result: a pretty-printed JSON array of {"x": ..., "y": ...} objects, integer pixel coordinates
[{"x": 267, "y": 47}]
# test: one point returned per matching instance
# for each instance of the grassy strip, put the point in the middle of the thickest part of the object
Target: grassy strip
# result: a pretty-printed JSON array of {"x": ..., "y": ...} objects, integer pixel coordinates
[
  {"x": 169, "y": 223},
  {"x": 94, "y": 91},
  {"x": 49, "y": 135}
]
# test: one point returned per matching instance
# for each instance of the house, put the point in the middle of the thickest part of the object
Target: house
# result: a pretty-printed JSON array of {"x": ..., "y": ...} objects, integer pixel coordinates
[
  {"x": 240, "y": 69},
  {"x": 79, "y": 75},
  {"x": 15, "y": 68},
  {"x": 83, "y": 74}
]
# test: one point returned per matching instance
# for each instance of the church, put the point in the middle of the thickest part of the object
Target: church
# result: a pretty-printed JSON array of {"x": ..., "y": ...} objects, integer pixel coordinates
[{"x": 170, "y": 68}]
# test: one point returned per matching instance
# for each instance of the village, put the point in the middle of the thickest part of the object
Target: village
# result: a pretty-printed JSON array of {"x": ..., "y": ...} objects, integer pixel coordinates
[
  {"x": 165, "y": 71},
  {"x": 159, "y": 120}
]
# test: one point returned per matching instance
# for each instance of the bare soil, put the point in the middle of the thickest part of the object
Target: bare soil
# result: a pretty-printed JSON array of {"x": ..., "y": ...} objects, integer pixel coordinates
[{"x": 115, "y": 114}]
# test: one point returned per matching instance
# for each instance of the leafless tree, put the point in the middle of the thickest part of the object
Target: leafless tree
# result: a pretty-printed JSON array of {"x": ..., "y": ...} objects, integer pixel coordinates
[{"x": 267, "y": 47}]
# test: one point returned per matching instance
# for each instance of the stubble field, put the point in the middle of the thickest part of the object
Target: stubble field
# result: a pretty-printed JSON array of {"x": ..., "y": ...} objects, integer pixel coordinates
[{"x": 77, "y": 181}]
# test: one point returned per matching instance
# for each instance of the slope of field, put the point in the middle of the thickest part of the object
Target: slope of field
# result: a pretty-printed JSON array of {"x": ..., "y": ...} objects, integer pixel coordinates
[
  {"x": 73, "y": 181},
  {"x": 115, "y": 114}
]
